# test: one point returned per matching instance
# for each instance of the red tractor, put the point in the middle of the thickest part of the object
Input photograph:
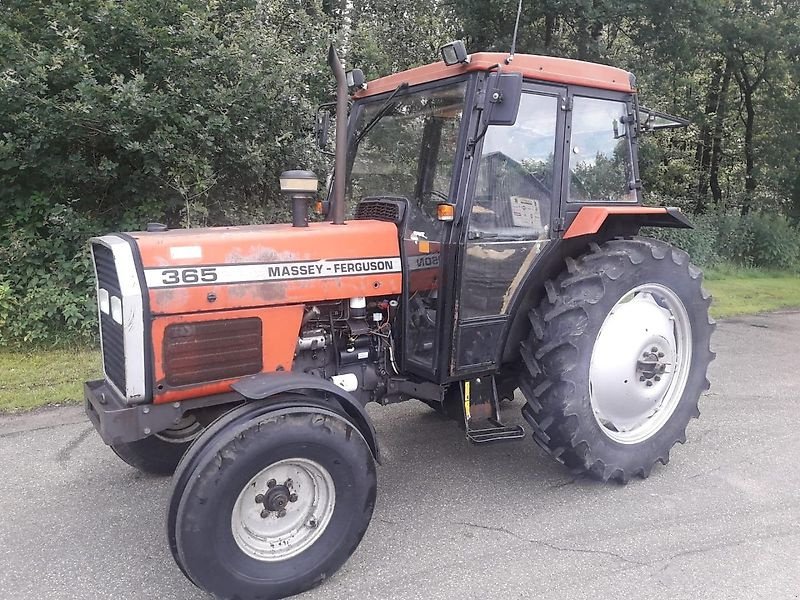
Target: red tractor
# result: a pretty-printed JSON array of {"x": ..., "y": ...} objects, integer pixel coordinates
[{"x": 493, "y": 246}]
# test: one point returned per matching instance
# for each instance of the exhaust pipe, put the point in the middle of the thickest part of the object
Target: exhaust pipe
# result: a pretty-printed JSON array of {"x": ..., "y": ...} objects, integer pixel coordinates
[{"x": 340, "y": 156}]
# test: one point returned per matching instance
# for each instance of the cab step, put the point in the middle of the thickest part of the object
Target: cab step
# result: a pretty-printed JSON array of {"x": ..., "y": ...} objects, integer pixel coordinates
[{"x": 482, "y": 413}]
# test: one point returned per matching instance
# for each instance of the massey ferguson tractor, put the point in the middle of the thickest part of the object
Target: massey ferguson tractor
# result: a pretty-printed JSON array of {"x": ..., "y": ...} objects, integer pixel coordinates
[{"x": 483, "y": 238}]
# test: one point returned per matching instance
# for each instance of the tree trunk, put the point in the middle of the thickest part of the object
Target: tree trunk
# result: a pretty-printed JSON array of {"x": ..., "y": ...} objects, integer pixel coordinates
[
  {"x": 703, "y": 152},
  {"x": 747, "y": 89},
  {"x": 549, "y": 31},
  {"x": 590, "y": 32},
  {"x": 716, "y": 142}
]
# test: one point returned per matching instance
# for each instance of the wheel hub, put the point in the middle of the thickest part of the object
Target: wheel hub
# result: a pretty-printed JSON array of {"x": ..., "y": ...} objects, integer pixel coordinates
[
  {"x": 651, "y": 366},
  {"x": 276, "y": 498},
  {"x": 640, "y": 363},
  {"x": 283, "y": 509}
]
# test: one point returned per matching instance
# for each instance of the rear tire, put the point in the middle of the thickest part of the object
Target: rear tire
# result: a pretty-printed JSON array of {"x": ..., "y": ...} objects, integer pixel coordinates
[
  {"x": 228, "y": 534},
  {"x": 604, "y": 404}
]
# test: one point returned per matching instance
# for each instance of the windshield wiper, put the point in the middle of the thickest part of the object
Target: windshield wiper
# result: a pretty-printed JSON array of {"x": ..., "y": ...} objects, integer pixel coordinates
[{"x": 387, "y": 106}]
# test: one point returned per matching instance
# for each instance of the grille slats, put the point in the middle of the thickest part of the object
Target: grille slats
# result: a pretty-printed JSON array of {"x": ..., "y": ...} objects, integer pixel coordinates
[
  {"x": 111, "y": 332},
  {"x": 212, "y": 350},
  {"x": 383, "y": 209}
]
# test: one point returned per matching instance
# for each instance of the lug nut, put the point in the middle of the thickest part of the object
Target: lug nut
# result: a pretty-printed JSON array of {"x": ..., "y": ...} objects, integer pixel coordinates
[
  {"x": 293, "y": 498},
  {"x": 641, "y": 378},
  {"x": 281, "y": 513},
  {"x": 264, "y": 513},
  {"x": 660, "y": 355},
  {"x": 288, "y": 483},
  {"x": 649, "y": 383},
  {"x": 271, "y": 483},
  {"x": 260, "y": 499},
  {"x": 657, "y": 378},
  {"x": 653, "y": 349}
]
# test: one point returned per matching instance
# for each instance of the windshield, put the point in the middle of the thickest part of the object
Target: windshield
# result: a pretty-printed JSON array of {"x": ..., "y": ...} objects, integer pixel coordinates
[{"x": 410, "y": 150}]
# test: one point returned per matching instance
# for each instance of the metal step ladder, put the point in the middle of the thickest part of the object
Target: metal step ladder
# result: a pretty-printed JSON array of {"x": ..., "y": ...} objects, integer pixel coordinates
[{"x": 482, "y": 413}]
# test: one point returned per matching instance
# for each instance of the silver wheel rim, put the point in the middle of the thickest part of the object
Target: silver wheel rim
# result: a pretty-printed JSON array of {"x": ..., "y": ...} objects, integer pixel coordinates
[
  {"x": 640, "y": 363},
  {"x": 184, "y": 431},
  {"x": 283, "y": 510}
]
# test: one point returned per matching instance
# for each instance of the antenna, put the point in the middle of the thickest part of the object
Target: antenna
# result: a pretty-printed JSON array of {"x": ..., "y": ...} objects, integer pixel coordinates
[{"x": 514, "y": 39}]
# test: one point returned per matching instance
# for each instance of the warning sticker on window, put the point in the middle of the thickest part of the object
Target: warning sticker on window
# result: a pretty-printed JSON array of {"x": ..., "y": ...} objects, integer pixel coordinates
[{"x": 525, "y": 212}]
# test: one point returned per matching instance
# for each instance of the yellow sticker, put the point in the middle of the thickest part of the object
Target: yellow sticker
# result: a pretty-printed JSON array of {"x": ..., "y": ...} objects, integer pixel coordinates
[
  {"x": 424, "y": 246},
  {"x": 466, "y": 399}
]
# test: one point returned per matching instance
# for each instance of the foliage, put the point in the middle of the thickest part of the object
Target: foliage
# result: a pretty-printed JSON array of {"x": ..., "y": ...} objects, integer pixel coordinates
[
  {"x": 46, "y": 280},
  {"x": 760, "y": 240},
  {"x": 113, "y": 114}
]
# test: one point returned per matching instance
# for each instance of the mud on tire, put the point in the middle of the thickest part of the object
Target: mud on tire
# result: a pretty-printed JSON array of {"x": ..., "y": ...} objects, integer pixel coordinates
[{"x": 558, "y": 353}]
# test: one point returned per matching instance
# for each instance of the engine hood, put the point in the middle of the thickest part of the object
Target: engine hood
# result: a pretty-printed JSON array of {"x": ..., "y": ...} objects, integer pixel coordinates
[{"x": 195, "y": 270}]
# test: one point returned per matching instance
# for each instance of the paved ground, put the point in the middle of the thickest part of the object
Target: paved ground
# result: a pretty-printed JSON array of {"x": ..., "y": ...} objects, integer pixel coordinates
[{"x": 458, "y": 521}]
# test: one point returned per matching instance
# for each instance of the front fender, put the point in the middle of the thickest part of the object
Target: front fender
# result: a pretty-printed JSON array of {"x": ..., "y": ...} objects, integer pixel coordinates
[{"x": 267, "y": 385}]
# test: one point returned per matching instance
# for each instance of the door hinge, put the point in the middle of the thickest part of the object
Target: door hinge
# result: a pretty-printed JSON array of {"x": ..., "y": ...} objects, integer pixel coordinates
[
  {"x": 566, "y": 103},
  {"x": 558, "y": 224}
]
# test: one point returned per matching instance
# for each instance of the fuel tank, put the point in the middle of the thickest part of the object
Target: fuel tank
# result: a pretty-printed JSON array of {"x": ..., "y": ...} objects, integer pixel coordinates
[{"x": 223, "y": 268}]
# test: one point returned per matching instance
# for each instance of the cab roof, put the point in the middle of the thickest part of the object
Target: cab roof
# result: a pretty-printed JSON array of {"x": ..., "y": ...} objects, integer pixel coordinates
[{"x": 543, "y": 68}]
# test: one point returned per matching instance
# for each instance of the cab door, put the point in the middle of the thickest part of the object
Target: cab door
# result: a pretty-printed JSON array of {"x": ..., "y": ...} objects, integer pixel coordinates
[{"x": 513, "y": 201}]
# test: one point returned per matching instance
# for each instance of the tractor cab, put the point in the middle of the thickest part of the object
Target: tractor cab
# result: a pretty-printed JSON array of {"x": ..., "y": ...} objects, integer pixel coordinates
[{"x": 484, "y": 164}]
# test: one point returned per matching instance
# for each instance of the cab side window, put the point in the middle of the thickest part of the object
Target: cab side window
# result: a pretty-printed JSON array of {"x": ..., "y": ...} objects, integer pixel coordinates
[{"x": 600, "y": 166}]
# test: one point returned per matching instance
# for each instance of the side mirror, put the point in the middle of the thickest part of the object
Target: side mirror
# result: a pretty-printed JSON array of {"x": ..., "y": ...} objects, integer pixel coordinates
[
  {"x": 653, "y": 120},
  {"x": 503, "y": 94}
]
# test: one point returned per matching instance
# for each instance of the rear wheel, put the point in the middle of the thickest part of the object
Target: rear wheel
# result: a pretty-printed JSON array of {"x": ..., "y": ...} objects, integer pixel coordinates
[
  {"x": 617, "y": 358},
  {"x": 270, "y": 506},
  {"x": 160, "y": 453}
]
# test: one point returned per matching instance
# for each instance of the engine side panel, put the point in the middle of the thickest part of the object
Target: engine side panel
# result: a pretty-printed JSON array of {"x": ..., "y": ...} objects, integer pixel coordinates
[
  {"x": 175, "y": 344},
  {"x": 197, "y": 270}
]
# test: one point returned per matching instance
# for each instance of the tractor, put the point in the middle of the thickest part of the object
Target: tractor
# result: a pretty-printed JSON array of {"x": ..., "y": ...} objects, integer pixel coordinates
[{"x": 479, "y": 236}]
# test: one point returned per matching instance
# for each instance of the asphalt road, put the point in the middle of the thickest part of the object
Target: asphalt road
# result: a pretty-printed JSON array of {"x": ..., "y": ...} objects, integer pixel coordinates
[{"x": 458, "y": 521}]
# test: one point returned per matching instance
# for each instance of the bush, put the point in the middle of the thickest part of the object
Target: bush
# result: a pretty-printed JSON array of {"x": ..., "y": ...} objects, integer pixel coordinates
[
  {"x": 700, "y": 242},
  {"x": 759, "y": 240},
  {"x": 113, "y": 114},
  {"x": 46, "y": 277}
]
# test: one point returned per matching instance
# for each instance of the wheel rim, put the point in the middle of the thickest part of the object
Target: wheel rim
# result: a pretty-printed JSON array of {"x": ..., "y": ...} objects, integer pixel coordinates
[
  {"x": 184, "y": 431},
  {"x": 640, "y": 363},
  {"x": 283, "y": 510}
]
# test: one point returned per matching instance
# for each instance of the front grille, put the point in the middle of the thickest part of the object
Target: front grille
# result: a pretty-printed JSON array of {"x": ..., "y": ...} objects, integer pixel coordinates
[
  {"x": 111, "y": 332},
  {"x": 212, "y": 350},
  {"x": 383, "y": 209}
]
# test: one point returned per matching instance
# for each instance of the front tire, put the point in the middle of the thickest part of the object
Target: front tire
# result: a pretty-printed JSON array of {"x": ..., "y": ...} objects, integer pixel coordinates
[
  {"x": 271, "y": 506},
  {"x": 617, "y": 358}
]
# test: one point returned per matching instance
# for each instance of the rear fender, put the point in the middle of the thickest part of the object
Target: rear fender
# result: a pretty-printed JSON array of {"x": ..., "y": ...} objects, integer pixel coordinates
[
  {"x": 268, "y": 385},
  {"x": 590, "y": 220}
]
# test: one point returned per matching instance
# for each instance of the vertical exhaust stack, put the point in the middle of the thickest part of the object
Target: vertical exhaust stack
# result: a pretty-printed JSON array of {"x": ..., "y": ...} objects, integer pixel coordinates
[{"x": 340, "y": 156}]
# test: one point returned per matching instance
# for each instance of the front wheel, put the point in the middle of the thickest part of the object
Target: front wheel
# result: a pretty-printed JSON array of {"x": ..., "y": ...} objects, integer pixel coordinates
[
  {"x": 270, "y": 507},
  {"x": 617, "y": 358}
]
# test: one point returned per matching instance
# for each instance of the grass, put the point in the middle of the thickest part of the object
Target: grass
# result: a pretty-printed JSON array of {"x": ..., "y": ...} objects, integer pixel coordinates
[
  {"x": 47, "y": 377},
  {"x": 741, "y": 291},
  {"x": 30, "y": 380}
]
